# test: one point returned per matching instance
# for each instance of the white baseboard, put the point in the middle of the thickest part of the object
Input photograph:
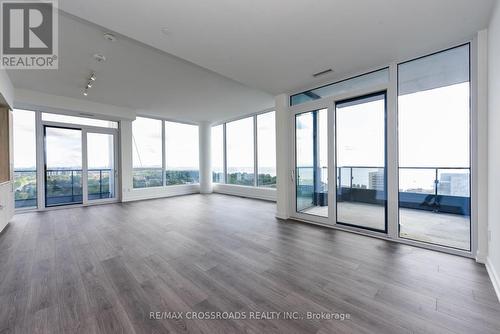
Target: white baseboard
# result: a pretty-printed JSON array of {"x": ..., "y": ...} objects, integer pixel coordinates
[
  {"x": 494, "y": 276},
  {"x": 268, "y": 194},
  {"x": 480, "y": 258},
  {"x": 159, "y": 192}
]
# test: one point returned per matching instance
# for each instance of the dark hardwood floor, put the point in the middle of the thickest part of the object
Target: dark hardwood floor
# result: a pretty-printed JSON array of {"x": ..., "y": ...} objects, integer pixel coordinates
[{"x": 103, "y": 269}]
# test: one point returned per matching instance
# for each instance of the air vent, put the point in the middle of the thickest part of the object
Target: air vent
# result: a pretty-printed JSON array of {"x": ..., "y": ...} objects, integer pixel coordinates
[
  {"x": 322, "y": 73},
  {"x": 85, "y": 114}
]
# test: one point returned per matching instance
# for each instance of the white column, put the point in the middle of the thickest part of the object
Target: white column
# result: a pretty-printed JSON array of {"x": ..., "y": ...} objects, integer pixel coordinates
[
  {"x": 205, "y": 137},
  {"x": 126, "y": 144},
  {"x": 283, "y": 172},
  {"x": 479, "y": 208}
]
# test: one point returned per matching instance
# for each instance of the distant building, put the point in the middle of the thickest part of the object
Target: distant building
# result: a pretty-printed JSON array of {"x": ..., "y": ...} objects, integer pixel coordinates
[
  {"x": 376, "y": 180},
  {"x": 454, "y": 184}
]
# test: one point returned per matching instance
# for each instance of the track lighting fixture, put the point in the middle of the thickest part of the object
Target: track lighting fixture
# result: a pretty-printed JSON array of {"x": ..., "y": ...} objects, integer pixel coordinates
[{"x": 90, "y": 83}]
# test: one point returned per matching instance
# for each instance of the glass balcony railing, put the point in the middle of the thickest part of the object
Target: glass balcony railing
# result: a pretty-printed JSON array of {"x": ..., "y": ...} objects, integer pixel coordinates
[
  {"x": 312, "y": 190},
  {"x": 63, "y": 186},
  {"x": 437, "y": 189},
  {"x": 100, "y": 183},
  {"x": 25, "y": 189},
  {"x": 445, "y": 190}
]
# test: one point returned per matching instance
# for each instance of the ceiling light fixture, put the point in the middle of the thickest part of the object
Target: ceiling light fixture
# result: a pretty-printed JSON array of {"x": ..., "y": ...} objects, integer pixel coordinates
[
  {"x": 99, "y": 58},
  {"x": 90, "y": 82},
  {"x": 322, "y": 73},
  {"x": 109, "y": 36}
]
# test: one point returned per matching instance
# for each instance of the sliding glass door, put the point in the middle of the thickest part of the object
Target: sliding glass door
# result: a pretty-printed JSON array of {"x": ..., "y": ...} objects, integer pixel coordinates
[
  {"x": 63, "y": 166},
  {"x": 101, "y": 169},
  {"x": 360, "y": 158},
  {"x": 80, "y": 165},
  {"x": 311, "y": 159}
]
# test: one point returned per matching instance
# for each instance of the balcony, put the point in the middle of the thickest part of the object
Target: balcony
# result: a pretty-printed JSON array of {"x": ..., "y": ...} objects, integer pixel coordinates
[
  {"x": 434, "y": 202},
  {"x": 63, "y": 186}
]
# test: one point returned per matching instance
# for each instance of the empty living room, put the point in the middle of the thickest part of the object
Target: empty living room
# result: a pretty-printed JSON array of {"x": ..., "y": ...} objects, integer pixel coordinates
[{"x": 328, "y": 166}]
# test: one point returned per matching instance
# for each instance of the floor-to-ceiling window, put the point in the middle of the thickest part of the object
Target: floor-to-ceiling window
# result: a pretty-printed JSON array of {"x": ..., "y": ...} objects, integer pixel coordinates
[
  {"x": 181, "y": 153},
  {"x": 266, "y": 150},
  {"x": 240, "y": 152},
  {"x": 63, "y": 166},
  {"x": 25, "y": 181},
  {"x": 246, "y": 150},
  {"x": 361, "y": 171},
  {"x": 218, "y": 153},
  {"x": 429, "y": 136},
  {"x": 434, "y": 148},
  {"x": 147, "y": 153},
  {"x": 311, "y": 153}
]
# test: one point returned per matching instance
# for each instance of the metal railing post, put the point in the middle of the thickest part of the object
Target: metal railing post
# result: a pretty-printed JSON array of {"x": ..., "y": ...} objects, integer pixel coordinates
[{"x": 100, "y": 183}]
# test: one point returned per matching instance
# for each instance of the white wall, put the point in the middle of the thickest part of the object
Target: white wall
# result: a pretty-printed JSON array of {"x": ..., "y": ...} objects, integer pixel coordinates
[
  {"x": 282, "y": 156},
  {"x": 6, "y": 194},
  {"x": 6, "y": 89},
  {"x": 493, "y": 261},
  {"x": 34, "y": 100},
  {"x": 480, "y": 148},
  {"x": 205, "y": 153}
]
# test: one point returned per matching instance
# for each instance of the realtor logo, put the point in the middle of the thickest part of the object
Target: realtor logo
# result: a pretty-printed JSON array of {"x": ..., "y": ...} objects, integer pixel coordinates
[{"x": 29, "y": 35}]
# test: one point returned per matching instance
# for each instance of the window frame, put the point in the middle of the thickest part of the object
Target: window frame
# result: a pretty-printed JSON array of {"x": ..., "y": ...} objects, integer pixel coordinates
[
  {"x": 477, "y": 166},
  {"x": 353, "y": 99},
  {"x": 473, "y": 170},
  {"x": 164, "y": 153},
  {"x": 255, "y": 148},
  {"x": 162, "y": 150}
]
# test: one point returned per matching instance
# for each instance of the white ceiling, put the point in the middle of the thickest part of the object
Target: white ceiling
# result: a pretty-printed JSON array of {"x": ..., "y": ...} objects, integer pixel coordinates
[
  {"x": 276, "y": 45},
  {"x": 138, "y": 77},
  {"x": 269, "y": 45}
]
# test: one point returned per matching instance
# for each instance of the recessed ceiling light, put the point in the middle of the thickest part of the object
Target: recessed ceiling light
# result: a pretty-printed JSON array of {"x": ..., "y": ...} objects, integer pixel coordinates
[
  {"x": 92, "y": 77},
  {"x": 110, "y": 37},
  {"x": 85, "y": 93},
  {"x": 99, "y": 57}
]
